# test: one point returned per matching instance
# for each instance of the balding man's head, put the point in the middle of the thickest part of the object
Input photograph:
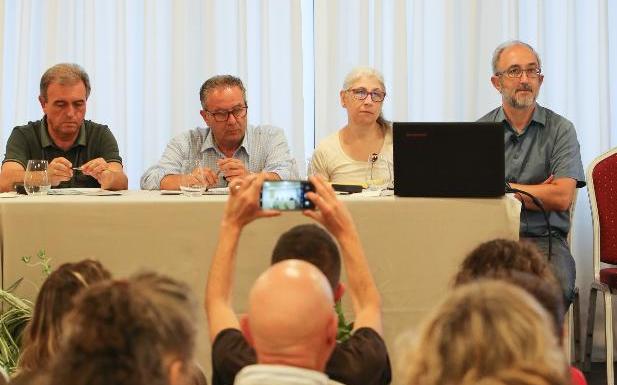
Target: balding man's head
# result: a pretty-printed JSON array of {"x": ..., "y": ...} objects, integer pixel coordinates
[{"x": 291, "y": 318}]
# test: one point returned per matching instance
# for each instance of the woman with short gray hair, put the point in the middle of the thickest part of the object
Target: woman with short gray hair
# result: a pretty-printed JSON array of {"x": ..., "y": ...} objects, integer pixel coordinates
[{"x": 346, "y": 155}]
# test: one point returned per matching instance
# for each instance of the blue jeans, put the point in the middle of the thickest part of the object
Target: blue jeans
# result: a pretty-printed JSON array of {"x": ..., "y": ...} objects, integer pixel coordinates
[{"x": 562, "y": 263}]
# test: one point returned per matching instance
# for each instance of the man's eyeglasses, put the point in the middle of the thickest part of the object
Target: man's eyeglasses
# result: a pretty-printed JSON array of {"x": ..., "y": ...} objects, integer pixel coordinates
[
  {"x": 517, "y": 72},
  {"x": 222, "y": 116},
  {"x": 361, "y": 94}
]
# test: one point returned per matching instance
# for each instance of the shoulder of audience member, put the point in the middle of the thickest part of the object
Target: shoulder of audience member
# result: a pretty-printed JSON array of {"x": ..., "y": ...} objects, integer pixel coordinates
[{"x": 363, "y": 358}]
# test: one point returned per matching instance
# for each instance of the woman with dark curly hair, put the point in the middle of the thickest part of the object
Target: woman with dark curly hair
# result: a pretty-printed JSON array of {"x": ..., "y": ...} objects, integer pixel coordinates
[{"x": 139, "y": 331}]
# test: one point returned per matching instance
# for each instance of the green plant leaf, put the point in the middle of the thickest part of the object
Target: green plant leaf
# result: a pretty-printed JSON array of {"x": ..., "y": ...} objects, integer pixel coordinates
[
  {"x": 16, "y": 314},
  {"x": 15, "y": 284},
  {"x": 344, "y": 328}
]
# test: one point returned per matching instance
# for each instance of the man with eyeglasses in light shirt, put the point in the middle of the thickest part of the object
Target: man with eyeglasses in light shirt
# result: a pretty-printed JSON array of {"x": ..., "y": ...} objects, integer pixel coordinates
[
  {"x": 228, "y": 146},
  {"x": 542, "y": 155}
]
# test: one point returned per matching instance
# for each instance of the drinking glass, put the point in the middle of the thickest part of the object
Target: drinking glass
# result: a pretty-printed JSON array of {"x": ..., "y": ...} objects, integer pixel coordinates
[
  {"x": 378, "y": 173},
  {"x": 192, "y": 180},
  {"x": 309, "y": 166},
  {"x": 36, "y": 180}
]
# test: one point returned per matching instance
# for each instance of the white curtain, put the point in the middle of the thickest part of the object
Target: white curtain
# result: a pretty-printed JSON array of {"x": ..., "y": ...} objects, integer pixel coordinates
[{"x": 147, "y": 60}]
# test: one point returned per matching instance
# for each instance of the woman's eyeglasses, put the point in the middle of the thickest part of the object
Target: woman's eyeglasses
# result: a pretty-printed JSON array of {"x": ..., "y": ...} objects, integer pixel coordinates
[{"x": 361, "y": 94}]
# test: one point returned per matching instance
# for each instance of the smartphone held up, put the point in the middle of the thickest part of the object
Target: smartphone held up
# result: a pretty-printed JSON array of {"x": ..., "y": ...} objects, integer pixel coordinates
[{"x": 286, "y": 195}]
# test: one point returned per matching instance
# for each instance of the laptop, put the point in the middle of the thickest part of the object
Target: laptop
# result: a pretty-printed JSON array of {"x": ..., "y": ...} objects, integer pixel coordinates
[{"x": 449, "y": 159}]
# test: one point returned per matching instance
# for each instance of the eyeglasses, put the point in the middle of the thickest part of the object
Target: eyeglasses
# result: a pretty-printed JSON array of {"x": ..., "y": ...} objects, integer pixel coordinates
[
  {"x": 517, "y": 72},
  {"x": 222, "y": 116},
  {"x": 361, "y": 94}
]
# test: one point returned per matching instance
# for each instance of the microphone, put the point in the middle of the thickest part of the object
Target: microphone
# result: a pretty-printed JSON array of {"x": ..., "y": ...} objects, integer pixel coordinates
[{"x": 514, "y": 139}]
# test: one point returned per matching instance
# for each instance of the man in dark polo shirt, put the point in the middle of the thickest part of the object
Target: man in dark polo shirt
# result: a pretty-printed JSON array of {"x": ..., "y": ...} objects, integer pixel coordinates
[
  {"x": 542, "y": 155},
  {"x": 80, "y": 153},
  {"x": 360, "y": 360}
]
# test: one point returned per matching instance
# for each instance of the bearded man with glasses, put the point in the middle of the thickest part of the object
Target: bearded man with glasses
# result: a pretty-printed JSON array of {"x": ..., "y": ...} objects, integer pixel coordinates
[
  {"x": 229, "y": 147},
  {"x": 542, "y": 155}
]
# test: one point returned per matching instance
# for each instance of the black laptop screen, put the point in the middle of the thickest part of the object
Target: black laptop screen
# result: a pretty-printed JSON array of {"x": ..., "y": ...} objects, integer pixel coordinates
[{"x": 449, "y": 159}]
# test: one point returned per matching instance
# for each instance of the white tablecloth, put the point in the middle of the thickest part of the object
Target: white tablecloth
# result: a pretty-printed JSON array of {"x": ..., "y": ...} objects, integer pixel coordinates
[{"x": 414, "y": 245}]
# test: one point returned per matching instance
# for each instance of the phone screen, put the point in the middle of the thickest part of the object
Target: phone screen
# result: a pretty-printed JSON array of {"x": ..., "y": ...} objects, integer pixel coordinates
[{"x": 286, "y": 195}]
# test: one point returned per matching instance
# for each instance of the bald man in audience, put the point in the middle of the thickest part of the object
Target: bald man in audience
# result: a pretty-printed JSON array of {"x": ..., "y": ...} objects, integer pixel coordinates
[
  {"x": 360, "y": 360},
  {"x": 282, "y": 300}
]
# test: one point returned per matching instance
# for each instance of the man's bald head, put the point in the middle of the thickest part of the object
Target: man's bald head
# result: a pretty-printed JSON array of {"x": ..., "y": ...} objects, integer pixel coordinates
[{"x": 291, "y": 318}]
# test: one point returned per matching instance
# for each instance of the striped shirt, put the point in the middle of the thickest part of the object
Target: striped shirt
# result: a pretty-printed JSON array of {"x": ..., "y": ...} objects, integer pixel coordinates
[
  {"x": 263, "y": 149},
  {"x": 281, "y": 375}
]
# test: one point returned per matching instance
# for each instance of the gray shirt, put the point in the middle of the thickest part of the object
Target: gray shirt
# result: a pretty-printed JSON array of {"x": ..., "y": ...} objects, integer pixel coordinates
[
  {"x": 547, "y": 146},
  {"x": 263, "y": 149}
]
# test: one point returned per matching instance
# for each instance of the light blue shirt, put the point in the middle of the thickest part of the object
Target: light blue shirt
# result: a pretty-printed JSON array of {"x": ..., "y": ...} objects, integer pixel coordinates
[
  {"x": 263, "y": 149},
  {"x": 547, "y": 146}
]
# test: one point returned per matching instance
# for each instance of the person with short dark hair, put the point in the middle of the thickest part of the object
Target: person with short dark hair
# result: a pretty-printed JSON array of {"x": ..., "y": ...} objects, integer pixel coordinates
[
  {"x": 80, "y": 153},
  {"x": 497, "y": 258},
  {"x": 313, "y": 244},
  {"x": 229, "y": 147},
  {"x": 363, "y": 358},
  {"x": 542, "y": 155}
]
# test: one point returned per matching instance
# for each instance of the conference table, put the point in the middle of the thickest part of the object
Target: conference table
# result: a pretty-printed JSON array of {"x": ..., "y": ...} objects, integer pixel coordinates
[{"x": 413, "y": 245}]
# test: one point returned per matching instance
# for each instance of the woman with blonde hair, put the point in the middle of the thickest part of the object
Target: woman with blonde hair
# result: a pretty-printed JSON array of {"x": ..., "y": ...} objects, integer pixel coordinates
[
  {"x": 54, "y": 300},
  {"x": 344, "y": 156},
  {"x": 482, "y": 331}
]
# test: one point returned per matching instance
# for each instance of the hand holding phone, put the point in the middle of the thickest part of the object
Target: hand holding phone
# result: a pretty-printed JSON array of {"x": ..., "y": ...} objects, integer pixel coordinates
[
  {"x": 286, "y": 195},
  {"x": 242, "y": 206},
  {"x": 330, "y": 211}
]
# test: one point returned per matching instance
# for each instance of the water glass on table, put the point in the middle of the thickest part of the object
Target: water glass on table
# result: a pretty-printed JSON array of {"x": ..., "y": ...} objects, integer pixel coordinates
[
  {"x": 193, "y": 181},
  {"x": 378, "y": 173},
  {"x": 36, "y": 179}
]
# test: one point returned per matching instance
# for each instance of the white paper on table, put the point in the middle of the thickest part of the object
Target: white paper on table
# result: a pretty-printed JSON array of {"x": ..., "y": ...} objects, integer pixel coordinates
[
  {"x": 82, "y": 191},
  {"x": 65, "y": 191},
  {"x": 103, "y": 193},
  {"x": 10, "y": 194},
  {"x": 217, "y": 191},
  {"x": 210, "y": 191},
  {"x": 370, "y": 194}
]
